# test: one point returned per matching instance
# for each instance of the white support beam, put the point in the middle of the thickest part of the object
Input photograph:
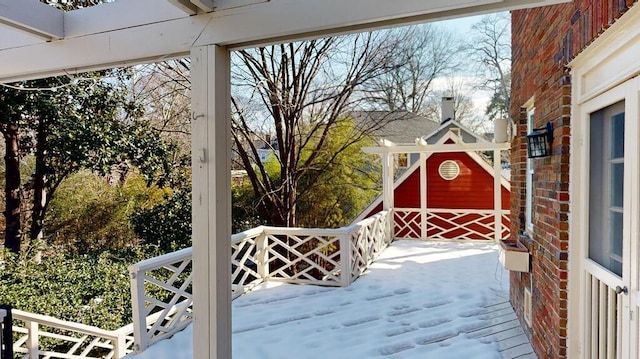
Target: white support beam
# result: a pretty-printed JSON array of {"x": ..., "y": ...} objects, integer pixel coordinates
[
  {"x": 111, "y": 34},
  {"x": 205, "y": 5},
  {"x": 230, "y": 4},
  {"x": 211, "y": 213},
  {"x": 185, "y": 5},
  {"x": 436, "y": 148},
  {"x": 33, "y": 17},
  {"x": 191, "y": 7}
]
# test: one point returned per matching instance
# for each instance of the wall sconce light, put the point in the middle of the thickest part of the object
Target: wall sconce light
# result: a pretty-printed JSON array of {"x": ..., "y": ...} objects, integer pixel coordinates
[{"x": 539, "y": 141}]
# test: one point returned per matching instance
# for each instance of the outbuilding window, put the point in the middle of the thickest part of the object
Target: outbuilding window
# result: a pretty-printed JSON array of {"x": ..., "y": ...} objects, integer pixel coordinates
[{"x": 449, "y": 170}]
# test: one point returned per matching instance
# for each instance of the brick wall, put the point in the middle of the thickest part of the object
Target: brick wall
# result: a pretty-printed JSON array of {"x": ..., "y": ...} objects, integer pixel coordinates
[{"x": 544, "y": 41}]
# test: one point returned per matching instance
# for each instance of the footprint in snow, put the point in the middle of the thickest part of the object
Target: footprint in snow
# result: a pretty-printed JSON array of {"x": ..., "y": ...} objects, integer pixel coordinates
[
  {"x": 402, "y": 291},
  {"x": 436, "y": 303},
  {"x": 402, "y": 330},
  {"x": 433, "y": 322},
  {"x": 396, "y": 348},
  {"x": 379, "y": 296},
  {"x": 359, "y": 321},
  {"x": 403, "y": 311}
]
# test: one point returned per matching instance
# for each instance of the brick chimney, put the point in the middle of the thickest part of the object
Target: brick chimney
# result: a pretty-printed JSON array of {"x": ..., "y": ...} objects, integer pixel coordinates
[{"x": 448, "y": 112}]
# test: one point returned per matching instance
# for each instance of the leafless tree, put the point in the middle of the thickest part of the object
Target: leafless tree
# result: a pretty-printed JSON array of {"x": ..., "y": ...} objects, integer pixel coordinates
[
  {"x": 164, "y": 91},
  {"x": 422, "y": 54},
  {"x": 491, "y": 52},
  {"x": 302, "y": 90},
  {"x": 464, "y": 111}
]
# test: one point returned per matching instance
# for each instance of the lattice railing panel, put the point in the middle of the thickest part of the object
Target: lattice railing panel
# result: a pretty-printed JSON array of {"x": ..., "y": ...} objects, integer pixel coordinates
[
  {"x": 40, "y": 336},
  {"x": 407, "y": 223},
  {"x": 506, "y": 225},
  {"x": 245, "y": 258},
  {"x": 162, "y": 289},
  {"x": 464, "y": 225},
  {"x": 367, "y": 241},
  {"x": 161, "y": 286},
  {"x": 303, "y": 257}
]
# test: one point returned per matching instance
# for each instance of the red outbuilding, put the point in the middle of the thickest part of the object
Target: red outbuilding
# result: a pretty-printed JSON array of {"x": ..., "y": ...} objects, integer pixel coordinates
[{"x": 451, "y": 190}]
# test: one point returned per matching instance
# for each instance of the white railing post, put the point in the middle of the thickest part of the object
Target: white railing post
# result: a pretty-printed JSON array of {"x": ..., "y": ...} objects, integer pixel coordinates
[
  {"x": 3, "y": 313},
  {"x": 262, "y": 251},
  {"x": 389, "y": 225},
  {"x": 120, "y": 345},
  {"x": 497, "y": 196},
  {"x": 32, "y": 340},
  {"x": 137, "y": 305},
  {"x": 345, "y": 258}
]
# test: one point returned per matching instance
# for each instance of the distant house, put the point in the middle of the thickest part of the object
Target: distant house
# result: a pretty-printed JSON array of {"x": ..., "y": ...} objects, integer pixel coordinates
[
  {"x": 267, "y": 151},
  {"x": 458, "y": 187},
  {"x": 397, "y": 127}
]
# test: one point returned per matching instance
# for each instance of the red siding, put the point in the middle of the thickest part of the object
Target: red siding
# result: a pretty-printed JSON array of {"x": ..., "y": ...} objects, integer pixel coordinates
[{"x": 472, "y": 189}]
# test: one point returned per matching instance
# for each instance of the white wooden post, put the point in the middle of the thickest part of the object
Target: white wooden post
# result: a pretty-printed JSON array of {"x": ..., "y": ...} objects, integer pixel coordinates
[
  {"x": 497, "y": 195},
  {"x": 262, "y": 255},
  {"x": 345, "y": 259},
  {"x": 423, "y": 195},
  {"x": 387, "y": 180},
  {"x": 32, "y": 339},
  {"x": 119, "y": 346},
  {"x": 140, "y": 336},
  {"x": 3, "y": 314},
  {"x": 387, "y": 188},
  {"x": 211, "y": 213}
]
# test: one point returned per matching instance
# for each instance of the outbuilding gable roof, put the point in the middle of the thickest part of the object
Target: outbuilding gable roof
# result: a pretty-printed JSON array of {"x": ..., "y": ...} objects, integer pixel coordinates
[{"x": 395, "y": 126}]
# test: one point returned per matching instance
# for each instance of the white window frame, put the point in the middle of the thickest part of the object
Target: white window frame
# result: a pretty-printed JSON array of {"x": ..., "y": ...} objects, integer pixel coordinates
[{"x": 406, "y": 163}]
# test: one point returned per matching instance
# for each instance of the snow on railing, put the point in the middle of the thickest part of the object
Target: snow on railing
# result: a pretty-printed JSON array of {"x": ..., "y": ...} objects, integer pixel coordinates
[
  {"x": 38, "y": 336},
  {"x": 291, "y": 255},
  {"x": 461, "y": 224}
]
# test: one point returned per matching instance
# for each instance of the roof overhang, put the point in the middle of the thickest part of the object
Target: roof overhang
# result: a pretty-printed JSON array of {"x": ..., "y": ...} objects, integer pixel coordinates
[{"x": 38, "y": 41}]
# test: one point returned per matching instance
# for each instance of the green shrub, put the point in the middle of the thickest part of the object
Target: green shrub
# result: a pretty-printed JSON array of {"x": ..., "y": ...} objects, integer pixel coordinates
[{"x": 90, "y": 288}]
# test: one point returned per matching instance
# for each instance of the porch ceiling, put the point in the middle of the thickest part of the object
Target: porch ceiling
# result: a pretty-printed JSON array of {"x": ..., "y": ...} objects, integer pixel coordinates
[{"x": 37, "y": 40}]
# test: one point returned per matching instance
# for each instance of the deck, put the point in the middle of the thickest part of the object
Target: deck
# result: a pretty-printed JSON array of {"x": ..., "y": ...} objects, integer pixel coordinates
[{"x": 418, "y": 300}]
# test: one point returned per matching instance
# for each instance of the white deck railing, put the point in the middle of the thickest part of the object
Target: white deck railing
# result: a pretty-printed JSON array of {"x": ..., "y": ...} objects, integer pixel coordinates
[
  {"x": 67, "y": 340},
  {"x": 461, "y": 224},
  {"x": 161, "y": 286}
]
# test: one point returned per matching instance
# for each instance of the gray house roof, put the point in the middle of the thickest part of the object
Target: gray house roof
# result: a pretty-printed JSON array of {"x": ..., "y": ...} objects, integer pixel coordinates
[{"x": 395, "y": 126}]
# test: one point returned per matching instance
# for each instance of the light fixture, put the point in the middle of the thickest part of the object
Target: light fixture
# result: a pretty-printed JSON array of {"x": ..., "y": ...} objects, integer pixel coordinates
[{"x": 539, "y": 141}]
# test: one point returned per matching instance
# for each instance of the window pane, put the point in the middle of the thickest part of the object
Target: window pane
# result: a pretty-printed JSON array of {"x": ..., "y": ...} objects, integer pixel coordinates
[
  {"x": 606, "y": 187},
  {"x": 616, "y": 233},
  {"x": 615, "y": 257},
  {"x": 617, "y": 133},
  {"x": 617, "y": 184}
]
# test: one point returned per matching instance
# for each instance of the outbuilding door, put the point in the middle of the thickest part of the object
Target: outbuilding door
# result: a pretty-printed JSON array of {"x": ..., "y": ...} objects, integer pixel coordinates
[{"x": 610, "y": 197}]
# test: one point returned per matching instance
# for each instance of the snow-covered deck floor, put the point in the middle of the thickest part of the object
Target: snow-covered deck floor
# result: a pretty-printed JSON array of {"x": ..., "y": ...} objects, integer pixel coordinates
[{"x": 418, "y": 300}]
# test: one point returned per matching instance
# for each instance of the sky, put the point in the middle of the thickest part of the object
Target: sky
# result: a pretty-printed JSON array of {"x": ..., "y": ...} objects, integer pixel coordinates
[
  {"x": 462, "y": 26},
  {"x": 419, "y": 300}
]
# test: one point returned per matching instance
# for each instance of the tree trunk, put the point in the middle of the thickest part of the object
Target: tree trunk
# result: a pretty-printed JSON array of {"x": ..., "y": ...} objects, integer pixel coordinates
[
  {"x": 39, "y": 185},
  {"x": 12, "y": 190}
]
